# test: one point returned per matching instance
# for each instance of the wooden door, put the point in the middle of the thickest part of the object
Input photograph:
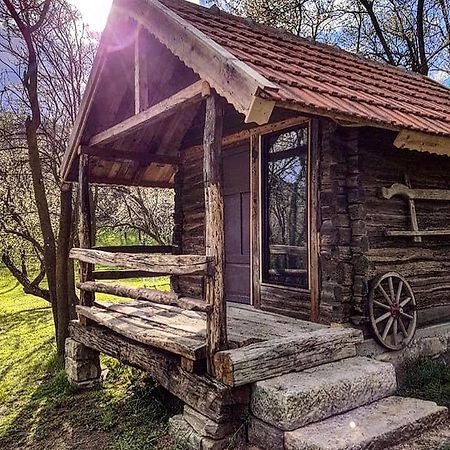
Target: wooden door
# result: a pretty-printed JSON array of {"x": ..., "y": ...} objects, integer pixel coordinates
[{"x": 236, "y": 190}]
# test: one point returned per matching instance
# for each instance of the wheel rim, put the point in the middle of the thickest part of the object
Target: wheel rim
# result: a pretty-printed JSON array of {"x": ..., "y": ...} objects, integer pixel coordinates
[{"x": 392, "y": 308}]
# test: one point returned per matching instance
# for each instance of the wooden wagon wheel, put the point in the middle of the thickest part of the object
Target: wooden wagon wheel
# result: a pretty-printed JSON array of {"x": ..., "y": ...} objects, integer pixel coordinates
[{"x": 392, "y": 310}]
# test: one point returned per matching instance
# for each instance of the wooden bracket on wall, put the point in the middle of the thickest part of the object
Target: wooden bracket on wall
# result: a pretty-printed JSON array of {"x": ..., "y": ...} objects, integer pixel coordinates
[{"x": 405, "y": 191}]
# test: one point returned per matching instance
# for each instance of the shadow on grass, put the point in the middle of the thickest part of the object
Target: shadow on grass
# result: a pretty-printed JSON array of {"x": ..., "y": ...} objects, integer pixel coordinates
[
  {"x": 127, "y": 412},
  {"x": 26, "y": 317}
]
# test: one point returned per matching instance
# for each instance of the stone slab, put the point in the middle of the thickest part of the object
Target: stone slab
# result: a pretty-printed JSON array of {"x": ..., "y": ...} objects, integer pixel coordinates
[
  {"x": 207, "y": 427},
  {"x": 80, "y": 370},
  {"x": 264, "y": 436},
  {"x": 297, "y": 399},
  {"x": 78, "y": 352},
  {"x": 186, "y": 435},
  {"x": 376, "y": 426}
]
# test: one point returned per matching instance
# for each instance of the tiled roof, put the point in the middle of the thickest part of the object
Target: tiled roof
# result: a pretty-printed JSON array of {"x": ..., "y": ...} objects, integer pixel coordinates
[{"x": 326, "y": 80}]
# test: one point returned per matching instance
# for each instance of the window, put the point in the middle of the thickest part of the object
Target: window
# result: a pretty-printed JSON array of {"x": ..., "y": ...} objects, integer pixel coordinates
[{"x": 285, "y": 208}]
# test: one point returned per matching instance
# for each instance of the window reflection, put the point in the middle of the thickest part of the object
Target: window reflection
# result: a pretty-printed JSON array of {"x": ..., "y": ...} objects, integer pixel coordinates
[{"x": 285, "y": 224}]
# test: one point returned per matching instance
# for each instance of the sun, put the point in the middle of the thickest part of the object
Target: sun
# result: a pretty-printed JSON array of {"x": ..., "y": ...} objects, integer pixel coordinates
[{"x": 94, "y": 12}]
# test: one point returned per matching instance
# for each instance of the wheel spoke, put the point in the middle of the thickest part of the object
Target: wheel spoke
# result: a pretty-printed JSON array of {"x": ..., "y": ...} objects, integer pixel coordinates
[
  {"x": 407, "y": 315},
  {"x": 402, "y": 326},
  {"x": 405, "y": 302},
  {"x": 382, "y": 305},
  {"x": 385, "y": 295},
  {"x": 391, "y": 288},
  {"x": 383, "y": 317},
  {"x": 387, "y": 328},
  {"x": 399, "y": 292},
  {"x": 395, "y": 331}
]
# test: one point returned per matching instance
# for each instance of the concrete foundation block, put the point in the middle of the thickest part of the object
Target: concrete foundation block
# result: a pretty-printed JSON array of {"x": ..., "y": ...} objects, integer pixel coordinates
[
  {"x": 80, "y": 371},
  {"x": 79, "y": 352}
]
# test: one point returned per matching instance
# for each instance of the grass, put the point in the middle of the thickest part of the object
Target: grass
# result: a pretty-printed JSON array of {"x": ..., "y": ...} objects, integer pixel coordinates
[
  {"x": 39, "y": 409},
  {"x": 428, "y": 380}
]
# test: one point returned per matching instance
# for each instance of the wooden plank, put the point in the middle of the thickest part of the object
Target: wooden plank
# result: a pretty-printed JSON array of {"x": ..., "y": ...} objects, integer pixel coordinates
[
  {"x": 204, "y": 394},
  {"x": 314, "y": 219},
  {"x": 230, "y": 77},
  {"x": 85, "y": 226},
  {"x": 255, "y": 286},
  {"x": 151, "y": 295},
  {"x": 152, "y": 115},
  {"x": 117, "y": 181},
  {"x": 147, "y": 333},
  {"x": 418, "y": 233},
  {"x": 123, "y": 274},
  {"x": 276, "y": 357},
  {"x": 401, "y": 190},
  {"x": 123, "y": 155},
  {"x": 136, "y": 248},
  {"x": 214, "y": 233},
  {"x": 168, "y": 264},
  {"x": 423, "y": 142},
  {"x": 141, "y": 88}
]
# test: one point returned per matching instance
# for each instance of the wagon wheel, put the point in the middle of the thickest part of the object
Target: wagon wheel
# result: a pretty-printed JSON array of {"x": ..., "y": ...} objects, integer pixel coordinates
[{"x": 392, "y": 309}]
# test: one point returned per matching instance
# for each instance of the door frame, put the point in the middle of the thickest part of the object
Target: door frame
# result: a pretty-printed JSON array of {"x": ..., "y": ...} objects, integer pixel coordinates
[{"x": 256, "y": 217}]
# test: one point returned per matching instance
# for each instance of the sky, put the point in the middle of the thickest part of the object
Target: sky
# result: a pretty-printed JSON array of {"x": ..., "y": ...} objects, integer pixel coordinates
[{"x": 95, "y": 12}]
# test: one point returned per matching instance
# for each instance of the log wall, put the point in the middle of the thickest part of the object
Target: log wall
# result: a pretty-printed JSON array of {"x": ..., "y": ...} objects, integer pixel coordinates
[{"x": 425, "y": 264}]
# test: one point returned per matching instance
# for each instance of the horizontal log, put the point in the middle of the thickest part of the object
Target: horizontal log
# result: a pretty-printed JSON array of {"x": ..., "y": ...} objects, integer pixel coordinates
[
  {"x": 152, "y": 115},
  {"x": 122, "y": 155},
  {"x": 167, "y": 264},
  {"x": 279, "y": 356},
  {"x": 418, "y": 233},
  {"x": 115, "y": 181},
  {"x": 151, "y": 295},
  {"x": 136, "y": 248},
  {"x": 123, "y": 274},
  {"x": 210, "y": 397}
]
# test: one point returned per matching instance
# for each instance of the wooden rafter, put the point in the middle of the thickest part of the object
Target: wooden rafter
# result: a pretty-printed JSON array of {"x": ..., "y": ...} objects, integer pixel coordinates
[
  {"x": 230, "y": 77},
  {"x": 141, "y": 87},
  {"x": 152, "y": 115},
  {"x": 122, "y": 155}
]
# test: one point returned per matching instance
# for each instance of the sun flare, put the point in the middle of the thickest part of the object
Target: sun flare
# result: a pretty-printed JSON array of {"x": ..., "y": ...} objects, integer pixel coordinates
[{"x": 94, "y": 12}]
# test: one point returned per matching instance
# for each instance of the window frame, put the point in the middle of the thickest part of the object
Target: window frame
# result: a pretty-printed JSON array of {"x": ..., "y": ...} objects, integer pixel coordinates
[{"x": 264, "y": 200}]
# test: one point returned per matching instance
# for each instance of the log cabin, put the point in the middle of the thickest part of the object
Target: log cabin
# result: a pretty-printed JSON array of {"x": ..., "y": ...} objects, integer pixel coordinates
[{"x": 312, "y": 211}]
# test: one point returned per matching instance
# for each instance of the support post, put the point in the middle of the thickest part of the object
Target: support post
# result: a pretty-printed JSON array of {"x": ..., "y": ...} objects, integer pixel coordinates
[
  {"x": 85, "y": 226},
  {"x": 216, "y": 327},
  {"x": 141, "y": 95}
]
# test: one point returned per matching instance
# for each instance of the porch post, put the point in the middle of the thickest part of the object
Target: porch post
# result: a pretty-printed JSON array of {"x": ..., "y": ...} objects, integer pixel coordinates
[
  {"x": 85, "y": 226},
  {"x": 216, "y": 327}
]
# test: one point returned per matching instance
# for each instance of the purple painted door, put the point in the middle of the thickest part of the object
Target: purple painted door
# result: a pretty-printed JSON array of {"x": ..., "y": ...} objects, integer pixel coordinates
[{"x": 236, "y": 191}]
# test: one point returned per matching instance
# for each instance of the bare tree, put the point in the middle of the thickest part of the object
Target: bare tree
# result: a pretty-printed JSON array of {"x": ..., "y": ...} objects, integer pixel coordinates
[{"x": 47, "y": 54}]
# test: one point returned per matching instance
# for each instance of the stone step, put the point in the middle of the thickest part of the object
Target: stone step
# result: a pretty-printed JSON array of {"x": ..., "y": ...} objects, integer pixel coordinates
[
  {"x": 376, "y": 426},
  {"x": 294, "y": 400}
]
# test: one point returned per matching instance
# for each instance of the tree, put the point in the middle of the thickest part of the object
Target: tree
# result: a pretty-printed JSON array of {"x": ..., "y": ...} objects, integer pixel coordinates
[
  {"x": 411, "y": 33},
  {"x": 48, "y": 55}
]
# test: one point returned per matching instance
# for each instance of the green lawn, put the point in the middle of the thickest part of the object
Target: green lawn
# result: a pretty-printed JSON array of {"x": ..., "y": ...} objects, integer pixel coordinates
[{"x": 39, "y": 410}]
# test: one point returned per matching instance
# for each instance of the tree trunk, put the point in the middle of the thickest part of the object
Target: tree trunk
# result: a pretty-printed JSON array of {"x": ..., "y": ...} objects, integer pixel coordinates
[{"x": 64, "y": 298}]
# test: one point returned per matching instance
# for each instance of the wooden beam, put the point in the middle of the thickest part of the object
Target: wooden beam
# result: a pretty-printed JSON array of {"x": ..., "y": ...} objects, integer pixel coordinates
[
  {"x": 125, "y": 182},
  {"x": 141, "y": 88},
  {"x": 85, "y": 226},
  {"x": 214, "y": 236},
  {"x": 402, "y": 190},
  {"x": 123, "y": 274},
  {"x": 152, "y": 115},
  {"x": 204, "y": 394},
  {"x": 168, "y": 264},
  {"x": 136, "y": 248},
  {"x": 275, "y": 357},
  {"x": 123, "y": 155},
  {"x": 423, "y": 142},
  {"x": 230, "y": 77},
  {"x": 151, "y": 295}
]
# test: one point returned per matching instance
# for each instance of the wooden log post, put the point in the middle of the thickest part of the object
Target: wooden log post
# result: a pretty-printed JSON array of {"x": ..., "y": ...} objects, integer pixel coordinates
[
  {"x": 216, "y": 326},
  {"x": 85, "y": 227}
]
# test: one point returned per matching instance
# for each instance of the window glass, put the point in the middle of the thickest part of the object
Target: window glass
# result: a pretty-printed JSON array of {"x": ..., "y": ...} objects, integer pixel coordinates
[{"x": 285, "y": 208}]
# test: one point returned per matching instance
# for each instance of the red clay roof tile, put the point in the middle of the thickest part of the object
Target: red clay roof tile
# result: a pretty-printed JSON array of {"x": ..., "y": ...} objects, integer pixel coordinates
[{"x": 325, "y": 79}]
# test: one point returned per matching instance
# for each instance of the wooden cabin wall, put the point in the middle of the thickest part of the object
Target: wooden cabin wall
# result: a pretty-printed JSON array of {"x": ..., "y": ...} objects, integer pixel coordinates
[
  {"x": 190, "y": 216},
  {"x": 426, "y": 265}
]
